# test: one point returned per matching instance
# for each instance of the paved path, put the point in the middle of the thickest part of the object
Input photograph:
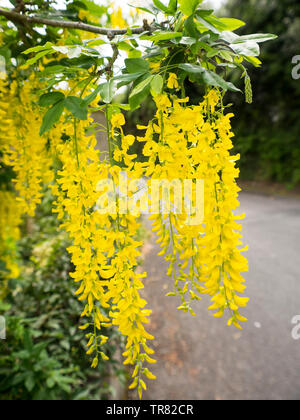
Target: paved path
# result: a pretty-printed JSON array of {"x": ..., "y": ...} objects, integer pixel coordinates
[{"x": 201, "y": 358}]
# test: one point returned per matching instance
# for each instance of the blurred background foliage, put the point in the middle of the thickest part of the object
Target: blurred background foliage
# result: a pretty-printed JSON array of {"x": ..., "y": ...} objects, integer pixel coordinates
[
  {"x": 268, "y": 131},
  {"x": 43, "y": 356}
]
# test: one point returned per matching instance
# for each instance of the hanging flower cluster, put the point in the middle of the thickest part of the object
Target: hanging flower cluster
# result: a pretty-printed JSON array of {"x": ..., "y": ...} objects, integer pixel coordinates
[
  {"x": 6, "y": 134},
  {"x": 181, "y": 145},
  {"x": 104, "y": 252},
  {"x": 24, "y": 150},
  {"x": 193, "y": 143}
]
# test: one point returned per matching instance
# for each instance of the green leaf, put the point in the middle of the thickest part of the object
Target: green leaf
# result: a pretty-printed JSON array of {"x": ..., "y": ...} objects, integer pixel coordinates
[
  {"x": 83, "y": 62},
  {"x": 54, "y": 69},
  {"x": 173, "y": 4},
  {"x": 254, "y": 61},
  {"x": 248, "y": 48},
  {"x": 160, "y": 6},
  {"x": 204, "y": 12},
  {"x": 107, "y": 91},
  {"x": 96, "y": 42},
  {"x": 74, "y": 52},
  {"x": 213, "y": 52},
  {"x": 70, "y": 52},
  {"x": 6, "y": 53},
  {"x": 168, "y": 10},
  {"x": 256, "y": 38},
  {"x": 90, "y": 98},
  {"x": 213, "y": 79},
  {"x": 38, "y": 56},
  {"x": 188, "y": 7},
  {"x": 117, "y": 107},
  {"x": 125, "y": 46},
  {"x": 77, "y": 5},
  {"x": 141, "y": 86},
  {"x": 95, "y": 9},
  {"x": 209, "y": 77},
  {"x": 226, "y": 55},
  {"x": 161, "y": 36},
  {"x": 191, "y": 68},
  {"x": 39, "y": 48},
  {"x": 157, "y": 84},
  {"x": 125, "y": 79},
  {"x": 191, "y": 27},
  {"x": 140, "y": 92},
  {"x": 232, "y": 24},
  {"x": 134, "y": 53},
  {"x": 52, "y": 116},
  {"x": 137, "y": 65},
  {"x": 211, "y": 22},
  {"x": 216, "y": 22},
  {"x": 29, "y": 383},
  {"x": 50, "y": 382},
  {"x": 51, "y": 98},
  {"x": 187, "y": 40},
  {"x": 205, "y": 24},
  {"x": 28, "y": 344},
  {"x": 77, "y": 107},
  {"x": 144, "y": 9}
]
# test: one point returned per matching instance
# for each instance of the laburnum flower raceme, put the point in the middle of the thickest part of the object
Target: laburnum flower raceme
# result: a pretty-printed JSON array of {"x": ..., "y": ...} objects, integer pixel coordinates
[
  {"x": 23, "y": 149},
  {"x": 105, "y": 253},
  {"x": 205, "y": 257}
]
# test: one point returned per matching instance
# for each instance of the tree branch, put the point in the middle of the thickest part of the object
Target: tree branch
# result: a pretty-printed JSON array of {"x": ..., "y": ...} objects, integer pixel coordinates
[
  {"x": 27, "y": 20},
  {"x": 109, "y": 68}
]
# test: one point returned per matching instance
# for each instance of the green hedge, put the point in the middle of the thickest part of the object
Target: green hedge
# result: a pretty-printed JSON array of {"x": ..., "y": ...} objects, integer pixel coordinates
[{"x": 43, "y": 357}]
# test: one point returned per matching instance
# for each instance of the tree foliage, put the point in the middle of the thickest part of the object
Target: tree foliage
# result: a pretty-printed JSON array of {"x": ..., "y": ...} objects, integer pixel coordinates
[{"x": 268, "y": 132}]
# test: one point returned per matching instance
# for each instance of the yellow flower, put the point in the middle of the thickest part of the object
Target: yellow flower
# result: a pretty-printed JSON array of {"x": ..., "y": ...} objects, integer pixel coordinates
[
  {"x": 127, "y": 141},
  {"x": 117, "y": 120},
  {"x": 95, "y": 363},
  {"x": 117, "y": 20},
  {"x": 199, "y": 138},
  {"x": 173, "y": 81},
  {"x": 182, "y": 143},
  {"x": 104, "y": 245},
  {"x": 155, "y": 66},
  {"x": 162, "y": 102},
  {"x": 23, "y": 148},
  {"x": 213, "y": 98},
  {"x": 83, "y": 14}
]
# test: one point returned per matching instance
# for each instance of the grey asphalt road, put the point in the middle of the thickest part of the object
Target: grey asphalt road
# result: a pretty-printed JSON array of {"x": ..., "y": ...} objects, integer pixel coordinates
[{"x": 201, "y": 358}]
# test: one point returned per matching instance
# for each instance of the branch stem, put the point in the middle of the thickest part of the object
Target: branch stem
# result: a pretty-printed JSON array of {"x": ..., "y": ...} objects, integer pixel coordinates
[{"x": 16, "y": 17}]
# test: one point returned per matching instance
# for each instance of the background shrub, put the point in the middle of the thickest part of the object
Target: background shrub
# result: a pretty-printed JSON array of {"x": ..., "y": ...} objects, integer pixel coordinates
[{"x": 43, "y": 357}]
